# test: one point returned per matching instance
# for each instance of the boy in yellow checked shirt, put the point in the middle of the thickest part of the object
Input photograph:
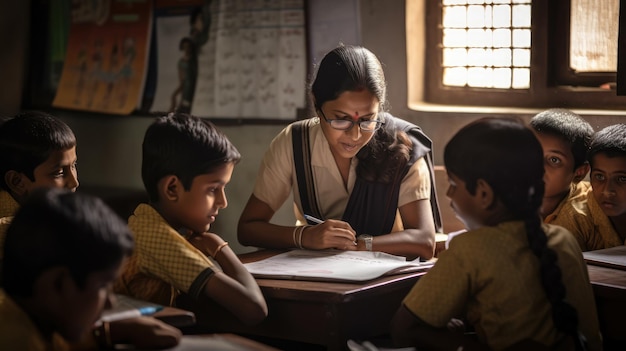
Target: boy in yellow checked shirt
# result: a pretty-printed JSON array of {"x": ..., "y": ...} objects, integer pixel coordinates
[{"x": 186, "y": 165}]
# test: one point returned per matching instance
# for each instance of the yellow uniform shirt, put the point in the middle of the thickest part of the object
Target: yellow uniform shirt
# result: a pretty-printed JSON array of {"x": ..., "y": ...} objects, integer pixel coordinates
[
  {"x": 277, "y": 178},
  {"x": 163, "y": 262},
  {"x": 582, "y": 216},
  {"x": 8, "y": 205},
  {"x": 491, "y": 277},
  {"x": 4, "y": 225},
  {"x": 18, "y": 332}
]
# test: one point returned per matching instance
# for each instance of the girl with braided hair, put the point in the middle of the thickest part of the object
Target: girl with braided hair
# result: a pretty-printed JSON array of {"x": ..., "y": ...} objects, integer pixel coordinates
[{"x": 512, "y": 279}]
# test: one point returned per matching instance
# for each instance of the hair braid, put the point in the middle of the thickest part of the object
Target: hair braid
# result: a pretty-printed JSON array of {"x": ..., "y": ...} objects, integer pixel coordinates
[
  {"x": 508, "y": 156},
  {"x": 564, "y": 315}
]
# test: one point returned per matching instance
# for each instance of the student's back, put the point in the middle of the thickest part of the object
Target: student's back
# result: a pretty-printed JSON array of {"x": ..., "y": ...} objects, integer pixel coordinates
[{"x": 513, "y": 279}]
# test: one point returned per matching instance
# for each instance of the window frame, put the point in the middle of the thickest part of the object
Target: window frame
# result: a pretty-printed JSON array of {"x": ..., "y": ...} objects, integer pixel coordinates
[
  {"x": 546, "y": 54},
  {"x": 560, "y": 61}
]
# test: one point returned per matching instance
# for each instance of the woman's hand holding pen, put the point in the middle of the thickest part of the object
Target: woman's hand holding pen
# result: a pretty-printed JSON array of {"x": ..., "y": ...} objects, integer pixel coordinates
[{"x": 329, "y": 234}]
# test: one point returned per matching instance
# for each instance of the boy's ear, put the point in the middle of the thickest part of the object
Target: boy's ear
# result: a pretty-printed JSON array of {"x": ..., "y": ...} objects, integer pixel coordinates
[
  {"x": 484, "y": 194},
  {"x": 169, "y": 187},
  {"x": 16, "y": 183},
  {"x": 581, "y": 172}
]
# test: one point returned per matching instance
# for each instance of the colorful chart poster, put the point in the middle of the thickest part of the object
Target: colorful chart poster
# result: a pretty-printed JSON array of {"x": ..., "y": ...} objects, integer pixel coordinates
[{"x": 106, "y": 58}]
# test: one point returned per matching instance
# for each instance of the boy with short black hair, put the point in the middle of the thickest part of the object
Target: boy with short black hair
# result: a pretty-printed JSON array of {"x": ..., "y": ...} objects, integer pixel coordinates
[
  {"x": 607, "y": 157},
  {"x": 36, "y": 149},
  {"x": 186, "y": 165},
  {"x": 565, "y": 138},
  {"x": 58, "y": 269}
]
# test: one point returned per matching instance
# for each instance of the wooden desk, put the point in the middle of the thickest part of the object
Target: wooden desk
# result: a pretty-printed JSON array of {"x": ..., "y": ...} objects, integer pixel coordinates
[
  {"x": 176, "y": 317},
  {"x": 320, "y": 313},
  {"x": 609, "y": 287},
  {"x": 222, "y": 342}
]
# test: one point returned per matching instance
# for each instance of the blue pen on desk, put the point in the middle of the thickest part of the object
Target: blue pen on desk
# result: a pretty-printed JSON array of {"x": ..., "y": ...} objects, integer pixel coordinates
[
  {"x": 111, "y": 316},
  {"x": 313, "y": 219}
]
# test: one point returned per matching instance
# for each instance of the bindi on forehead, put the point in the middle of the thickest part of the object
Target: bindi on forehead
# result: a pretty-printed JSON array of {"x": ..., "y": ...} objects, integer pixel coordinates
[{"x": 355, "y": 116}]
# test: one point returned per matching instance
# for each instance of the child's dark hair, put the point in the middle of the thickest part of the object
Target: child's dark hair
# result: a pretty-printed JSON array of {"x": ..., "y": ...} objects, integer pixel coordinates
[
  {"x": 610, "y": 141},
  {"x": 568, "y": 126},
  {"x": 28, "y": 139},
  {"x": 355, "y": 68},
  {"x": 185, "y": 146},
  {"x": 57, "y": 227},
  {"x": 508, "y": 156}
]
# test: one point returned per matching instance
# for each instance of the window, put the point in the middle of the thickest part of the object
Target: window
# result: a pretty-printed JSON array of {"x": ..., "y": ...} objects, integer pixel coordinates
[
  {"x": 486, "y": 44},
  {"x": 521, "y": 53}
]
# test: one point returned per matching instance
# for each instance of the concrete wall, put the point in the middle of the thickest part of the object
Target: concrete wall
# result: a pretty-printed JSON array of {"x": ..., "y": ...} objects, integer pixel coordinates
[{"x": 109, "y": 149}]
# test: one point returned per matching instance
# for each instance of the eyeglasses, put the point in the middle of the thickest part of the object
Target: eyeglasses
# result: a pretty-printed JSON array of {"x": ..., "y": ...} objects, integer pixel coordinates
[{"x": 347, "y": 124}]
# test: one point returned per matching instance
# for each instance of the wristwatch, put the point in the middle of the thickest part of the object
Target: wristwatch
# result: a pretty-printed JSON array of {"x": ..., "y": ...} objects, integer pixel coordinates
[{"x": 367, "y": 239}]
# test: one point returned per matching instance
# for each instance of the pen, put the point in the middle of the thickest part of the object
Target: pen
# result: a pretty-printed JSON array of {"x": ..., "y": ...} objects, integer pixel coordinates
[
  {"x": 317, "y": 221},
  {"x": 313, "y": 219},
  {"x": 132, "y": 313}
]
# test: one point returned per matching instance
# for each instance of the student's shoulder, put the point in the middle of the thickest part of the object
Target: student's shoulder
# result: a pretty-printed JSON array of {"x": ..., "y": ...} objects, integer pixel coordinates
[
  {"x": 146, "y": 219},
  {"x": 17, "y": 332},
  {"x": 575, "y": 207},
  {"x": 560, "y": 238},
  {"x": 580, "y": 191},
  {"x": 4, "y": 226},
  {"x": 476, "y": 239}
]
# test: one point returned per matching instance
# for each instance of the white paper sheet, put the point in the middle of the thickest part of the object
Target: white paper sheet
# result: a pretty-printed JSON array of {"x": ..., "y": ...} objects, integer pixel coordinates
[{"x": 332, "y": 265}]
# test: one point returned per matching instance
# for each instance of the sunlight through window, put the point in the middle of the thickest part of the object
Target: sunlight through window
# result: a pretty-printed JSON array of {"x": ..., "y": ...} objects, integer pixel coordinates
[{"x": 486, "y": 43}]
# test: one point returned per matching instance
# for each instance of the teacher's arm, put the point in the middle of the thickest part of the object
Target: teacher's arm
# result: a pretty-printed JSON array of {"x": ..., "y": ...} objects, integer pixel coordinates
[
  {"x": 255, "y": 229},
  {"x": 418, "y": 237}
]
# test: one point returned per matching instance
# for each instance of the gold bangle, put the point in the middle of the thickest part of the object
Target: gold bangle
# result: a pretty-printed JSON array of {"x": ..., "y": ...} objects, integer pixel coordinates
[
  {"x": 219, "y": 248},
  {"x": 300, "y": 236}
]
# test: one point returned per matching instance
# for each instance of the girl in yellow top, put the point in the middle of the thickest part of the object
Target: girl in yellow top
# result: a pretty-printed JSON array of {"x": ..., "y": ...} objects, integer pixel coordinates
[{"x": 515, "y": 281}]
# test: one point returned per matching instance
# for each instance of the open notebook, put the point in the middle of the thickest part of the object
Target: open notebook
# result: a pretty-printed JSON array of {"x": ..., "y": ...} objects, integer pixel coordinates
[
  {"x": 333, "y": 265},
  {"x": 614, "y": 257}
]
